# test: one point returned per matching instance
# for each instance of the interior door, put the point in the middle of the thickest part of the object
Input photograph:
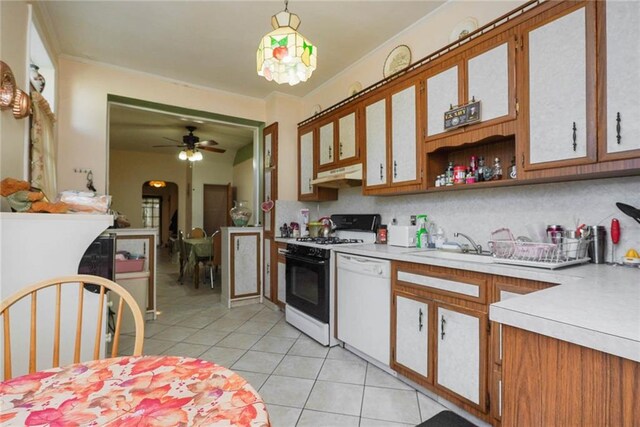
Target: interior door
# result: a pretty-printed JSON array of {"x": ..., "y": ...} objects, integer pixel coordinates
[{"x": 215, "y": 209}]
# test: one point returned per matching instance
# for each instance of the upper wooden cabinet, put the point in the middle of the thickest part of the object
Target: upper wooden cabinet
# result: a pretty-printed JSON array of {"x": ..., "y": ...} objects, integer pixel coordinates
[
  {"x": 443, "y": 90},
  {"x": 485, "y": 72},
  {"x": 558, "y": 87},
  {"x": 307, "y": 144},
  {"x": 305, "y": 153},
  {"x": 391, "y": 136},
  {"x": 619, "y": 69},
  {"x": 375, "y": 137},
  {"x": 338, "y": 143}
]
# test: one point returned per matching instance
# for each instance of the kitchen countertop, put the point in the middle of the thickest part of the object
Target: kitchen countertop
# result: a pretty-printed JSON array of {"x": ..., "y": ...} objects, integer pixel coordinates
[{"x": 595, "y": 306}]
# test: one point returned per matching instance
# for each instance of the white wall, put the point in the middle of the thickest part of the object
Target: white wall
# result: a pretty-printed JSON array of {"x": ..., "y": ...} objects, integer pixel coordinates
[
  {"x": 82, "y": 111},
  {"x": 129, "y": 170},
  {"x": 287, "y": 111},
  {"x": 214, "y": 169},
  {"x": 243, "y": 181}
]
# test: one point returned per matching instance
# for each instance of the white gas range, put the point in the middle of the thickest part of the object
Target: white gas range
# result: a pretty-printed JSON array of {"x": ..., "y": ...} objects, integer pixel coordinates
[{"x": 310, "y": 279}]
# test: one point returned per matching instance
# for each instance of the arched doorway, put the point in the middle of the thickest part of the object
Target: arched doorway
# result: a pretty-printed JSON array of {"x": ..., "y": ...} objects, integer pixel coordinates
[{"x": 160, "y": 208}]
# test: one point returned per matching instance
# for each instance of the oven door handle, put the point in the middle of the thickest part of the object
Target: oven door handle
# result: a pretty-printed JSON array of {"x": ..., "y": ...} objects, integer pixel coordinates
[{"x": 307, "y": 260}]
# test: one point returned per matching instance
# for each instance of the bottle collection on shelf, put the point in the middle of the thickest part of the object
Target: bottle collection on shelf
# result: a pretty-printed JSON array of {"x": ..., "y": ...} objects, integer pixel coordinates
[{"x": 477, "y": 171}]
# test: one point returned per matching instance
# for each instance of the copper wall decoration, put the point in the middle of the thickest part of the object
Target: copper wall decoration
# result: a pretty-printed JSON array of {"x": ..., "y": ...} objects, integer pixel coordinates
[{"x": 11, "y": 97}]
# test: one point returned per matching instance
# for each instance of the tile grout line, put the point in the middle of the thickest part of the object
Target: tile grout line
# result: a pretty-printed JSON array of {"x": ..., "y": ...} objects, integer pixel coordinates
[{"x": 364, "y": 389}]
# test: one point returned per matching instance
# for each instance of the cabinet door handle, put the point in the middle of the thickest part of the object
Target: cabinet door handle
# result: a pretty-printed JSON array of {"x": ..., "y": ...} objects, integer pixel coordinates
[
  {"x": 310, "y": 187},
  {"x": 442, "y": 323},
  {"x": 395, "y": 169},
  {"x": 618, "y": 127},
  {"x": 268, "y": 268},
  {"x": 341, "y": 143},
  {"x": 420, "y": 314},
  {"x": 381, "y": 171},
  {"x": 237, "y": 245},
  {"x": 329, "y": 152},
  {"x": 575, "y": 136}
]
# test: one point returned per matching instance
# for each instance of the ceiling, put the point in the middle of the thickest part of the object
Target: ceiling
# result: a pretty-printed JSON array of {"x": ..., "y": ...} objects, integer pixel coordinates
[
  {"x": 213, "y": 43},
  {"x": 136, "y": 129}
]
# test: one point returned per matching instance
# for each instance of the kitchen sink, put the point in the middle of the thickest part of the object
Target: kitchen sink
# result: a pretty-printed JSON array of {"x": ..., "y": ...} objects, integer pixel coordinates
[{"x": 485, "y": 258}]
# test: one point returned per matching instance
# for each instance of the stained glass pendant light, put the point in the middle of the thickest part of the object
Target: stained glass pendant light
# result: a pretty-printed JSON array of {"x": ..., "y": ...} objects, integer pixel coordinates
[{"x": 284, "y": 55}]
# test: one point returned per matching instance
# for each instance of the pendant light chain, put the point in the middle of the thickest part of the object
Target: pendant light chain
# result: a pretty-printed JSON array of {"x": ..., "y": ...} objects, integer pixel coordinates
[{"x": 286, "y": 5}]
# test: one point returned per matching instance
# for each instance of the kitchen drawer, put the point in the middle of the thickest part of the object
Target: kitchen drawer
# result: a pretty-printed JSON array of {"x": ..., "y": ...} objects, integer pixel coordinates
[{"x": 460, "y": 284}]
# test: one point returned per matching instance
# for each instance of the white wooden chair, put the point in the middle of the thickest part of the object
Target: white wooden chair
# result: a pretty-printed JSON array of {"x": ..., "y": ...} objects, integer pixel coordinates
[{"x": 69, "y": 281}]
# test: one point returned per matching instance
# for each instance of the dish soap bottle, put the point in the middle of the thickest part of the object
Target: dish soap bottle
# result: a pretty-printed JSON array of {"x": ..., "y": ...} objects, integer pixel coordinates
[{"x": 422, "y": 235}]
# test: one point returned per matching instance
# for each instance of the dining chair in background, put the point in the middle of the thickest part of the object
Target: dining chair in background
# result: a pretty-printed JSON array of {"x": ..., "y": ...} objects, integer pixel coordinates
[
  {"x": 77, "y": 281},
  {"x": 197, "y": 233}
]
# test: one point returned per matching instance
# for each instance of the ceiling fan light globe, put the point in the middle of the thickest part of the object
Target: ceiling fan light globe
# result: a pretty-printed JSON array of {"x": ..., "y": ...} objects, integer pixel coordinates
[
  {"x": 197, "y": 156},
  {"x": 182, "y": 155}
]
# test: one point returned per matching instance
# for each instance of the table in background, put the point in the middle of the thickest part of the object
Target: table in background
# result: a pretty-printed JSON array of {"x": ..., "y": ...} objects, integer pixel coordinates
[
  {"x": 196, "y": 250},
  {"x": 147, "y": 390}
]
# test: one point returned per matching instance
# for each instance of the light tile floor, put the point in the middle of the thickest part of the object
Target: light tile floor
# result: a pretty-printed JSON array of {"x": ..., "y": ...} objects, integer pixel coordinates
[{"x": 302, "y": 382}]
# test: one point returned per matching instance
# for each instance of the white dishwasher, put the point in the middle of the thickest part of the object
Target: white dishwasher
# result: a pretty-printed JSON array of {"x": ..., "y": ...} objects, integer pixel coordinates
[{"x": 364, "y": 304}]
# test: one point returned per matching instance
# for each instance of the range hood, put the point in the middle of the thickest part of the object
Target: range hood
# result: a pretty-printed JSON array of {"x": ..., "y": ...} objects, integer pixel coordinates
[{"x": 348, "y": 176}]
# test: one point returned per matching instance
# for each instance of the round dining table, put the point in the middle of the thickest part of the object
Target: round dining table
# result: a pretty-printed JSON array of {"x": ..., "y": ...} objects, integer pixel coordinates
[{"x": 132, "y": 391}]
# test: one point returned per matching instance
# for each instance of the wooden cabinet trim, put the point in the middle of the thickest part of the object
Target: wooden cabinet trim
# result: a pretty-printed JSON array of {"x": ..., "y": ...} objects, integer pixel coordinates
[{"x": 463, "y": 276}]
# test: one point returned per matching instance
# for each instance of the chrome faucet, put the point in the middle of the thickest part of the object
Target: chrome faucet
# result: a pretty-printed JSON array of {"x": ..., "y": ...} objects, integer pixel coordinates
[{"x": 477, "y": 248}]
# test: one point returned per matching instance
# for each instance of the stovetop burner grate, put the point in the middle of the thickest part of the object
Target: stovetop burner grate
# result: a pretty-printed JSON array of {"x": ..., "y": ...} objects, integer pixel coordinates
[{"x": 328, "y": 240}]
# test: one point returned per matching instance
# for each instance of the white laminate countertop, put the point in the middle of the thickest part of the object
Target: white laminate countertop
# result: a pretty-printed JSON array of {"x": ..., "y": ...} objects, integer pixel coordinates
[{"x": 595, "y": 306}]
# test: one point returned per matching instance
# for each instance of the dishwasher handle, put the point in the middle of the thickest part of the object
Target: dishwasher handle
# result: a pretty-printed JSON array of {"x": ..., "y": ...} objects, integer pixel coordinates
[{"x": 366, "y": 266}]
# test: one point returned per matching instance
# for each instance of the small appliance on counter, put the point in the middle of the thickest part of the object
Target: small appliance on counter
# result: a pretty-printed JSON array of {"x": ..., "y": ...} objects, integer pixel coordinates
[{"x": 402, "y": 235}]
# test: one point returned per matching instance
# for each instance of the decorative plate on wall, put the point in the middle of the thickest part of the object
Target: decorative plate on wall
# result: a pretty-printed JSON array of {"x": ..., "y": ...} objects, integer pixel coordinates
[
  {"x": 398, "y": 59},
  {"x": 463, "y": 28},
  {"x": 354, "y": 88}
]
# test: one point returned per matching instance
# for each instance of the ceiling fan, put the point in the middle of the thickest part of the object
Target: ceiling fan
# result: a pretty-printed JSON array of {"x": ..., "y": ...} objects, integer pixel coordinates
[{"x": 191, "y": 144}]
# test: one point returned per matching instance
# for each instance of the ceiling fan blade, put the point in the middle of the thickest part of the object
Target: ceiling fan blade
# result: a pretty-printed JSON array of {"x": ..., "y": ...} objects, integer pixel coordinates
[
  {"x": 172, "y": 140},
  {"x": 212, "y": 149},
  {"x": 167, "y": 146},
  {"x": 208, "y": 142}
]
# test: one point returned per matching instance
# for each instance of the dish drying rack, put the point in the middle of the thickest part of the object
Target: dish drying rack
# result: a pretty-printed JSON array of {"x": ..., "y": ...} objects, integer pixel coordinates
[{"x": 562, "y": 252}]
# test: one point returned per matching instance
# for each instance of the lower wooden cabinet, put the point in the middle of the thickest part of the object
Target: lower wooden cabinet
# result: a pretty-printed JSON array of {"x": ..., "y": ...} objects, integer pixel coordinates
[
  {"x": 412, "y": 334},
  {"x": 460, "y": 353},
  {"x": 503, "y": 289},
  {"x": 242, "y": 265},
  {"x": 439, "y": 332},
  {"x": 549, "y": 382},
  {"x": 441, "y": 337}
]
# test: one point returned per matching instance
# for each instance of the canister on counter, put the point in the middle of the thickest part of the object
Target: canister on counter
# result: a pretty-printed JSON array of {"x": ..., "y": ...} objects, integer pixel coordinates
[{"x": 381, "y": 235}]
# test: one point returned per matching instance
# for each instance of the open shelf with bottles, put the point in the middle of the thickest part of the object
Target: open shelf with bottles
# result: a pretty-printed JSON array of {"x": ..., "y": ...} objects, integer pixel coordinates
[{"x": 502, "y": 147}]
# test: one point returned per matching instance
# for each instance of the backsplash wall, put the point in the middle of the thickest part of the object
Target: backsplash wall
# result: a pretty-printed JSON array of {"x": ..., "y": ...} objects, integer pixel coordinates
[{"x": 478, "y": 212}]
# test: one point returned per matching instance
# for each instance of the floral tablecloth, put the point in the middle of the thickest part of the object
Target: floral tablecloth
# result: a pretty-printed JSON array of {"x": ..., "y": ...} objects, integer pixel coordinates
[{"x": 132, "y": 391}]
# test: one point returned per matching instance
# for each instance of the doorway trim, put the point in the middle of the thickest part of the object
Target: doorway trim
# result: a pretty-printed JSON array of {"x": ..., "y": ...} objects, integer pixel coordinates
[{"x": 255, "y": 125}]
